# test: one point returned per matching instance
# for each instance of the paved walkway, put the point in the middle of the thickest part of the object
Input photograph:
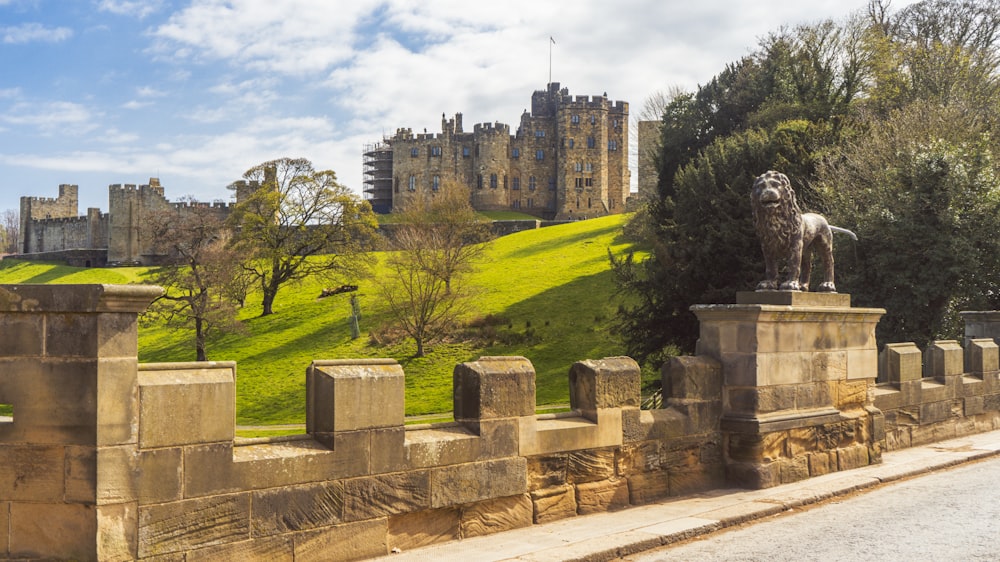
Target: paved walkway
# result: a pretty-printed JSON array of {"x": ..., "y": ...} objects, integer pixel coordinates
[{"x": 608, "y": 536}]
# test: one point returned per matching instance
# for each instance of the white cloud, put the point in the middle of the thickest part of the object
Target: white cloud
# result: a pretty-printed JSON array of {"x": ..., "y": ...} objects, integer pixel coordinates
[
  {"x": 134, "y": 8},
  {"x": 34, "y": 32},
  {"x": 64, "y": 118}
]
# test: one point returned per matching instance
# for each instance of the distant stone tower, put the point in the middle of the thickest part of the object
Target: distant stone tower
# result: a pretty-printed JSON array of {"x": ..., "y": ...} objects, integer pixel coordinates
[
  {"x": 37, "y": 208},
  {"x": 568, "y": 159}
]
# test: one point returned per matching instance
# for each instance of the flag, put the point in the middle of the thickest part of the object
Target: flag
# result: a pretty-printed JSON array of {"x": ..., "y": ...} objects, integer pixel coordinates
[{"x": 551, "y": 39}]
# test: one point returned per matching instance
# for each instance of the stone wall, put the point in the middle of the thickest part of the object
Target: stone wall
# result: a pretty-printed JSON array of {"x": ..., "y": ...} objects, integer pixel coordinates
[
  {"x": 39, "y": 208},
  {"x": 107, "y": 459}
]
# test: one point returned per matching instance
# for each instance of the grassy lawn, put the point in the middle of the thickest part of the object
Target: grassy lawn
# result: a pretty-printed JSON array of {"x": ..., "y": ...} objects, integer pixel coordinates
[{"x": 551, "y": 288}]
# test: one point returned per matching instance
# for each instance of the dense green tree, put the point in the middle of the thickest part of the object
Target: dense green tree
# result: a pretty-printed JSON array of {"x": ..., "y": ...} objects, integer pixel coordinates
[{"x": 298, "y": 222}]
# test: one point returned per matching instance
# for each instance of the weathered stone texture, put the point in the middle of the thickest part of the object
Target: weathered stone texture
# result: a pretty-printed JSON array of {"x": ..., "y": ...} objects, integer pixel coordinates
[
  {"x": 597, "y": 497},
  {"x": 552, "y": 504},
  {"x": 493, "y": 516},
  {"x": 494, "y": 387},
  {"x": 190, "y": 524},
  {"x": 277, "y": 549},
  {"x": 590, "y": 466},
  {"x": 297, "y": 508},
  {"x": 414, "y": 530},
  {"x": 187, "y": 404},
  {"x": 33, "y": 473},
  {"x": 353, "y": 541},
  {"x": 473, "y": 482},
  {"x": 348, "y": 395},
  {"x": 648, "y": 487},
  {"x": 387, "y": 494},
  {"x": 53, "y": 531}
]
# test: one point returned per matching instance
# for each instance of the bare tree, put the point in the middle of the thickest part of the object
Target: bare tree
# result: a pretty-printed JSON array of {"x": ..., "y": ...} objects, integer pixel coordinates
[
  {"x": 200, "y": 271},
  {"x": 10, "y": 231},
  {"x": 438, "y": 240}
]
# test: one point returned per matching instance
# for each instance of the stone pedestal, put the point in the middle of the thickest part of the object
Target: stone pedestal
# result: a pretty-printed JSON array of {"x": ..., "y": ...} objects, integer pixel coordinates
[{"x": 798, "y": 379}]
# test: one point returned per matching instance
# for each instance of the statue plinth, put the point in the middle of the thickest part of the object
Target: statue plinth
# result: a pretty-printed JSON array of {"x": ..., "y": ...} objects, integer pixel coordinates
[{"x": 797, "y": 369}]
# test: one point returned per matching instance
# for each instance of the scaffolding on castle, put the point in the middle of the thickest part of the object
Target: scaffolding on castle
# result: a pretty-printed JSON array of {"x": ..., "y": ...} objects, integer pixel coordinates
[{"x": 378, "y": 176}]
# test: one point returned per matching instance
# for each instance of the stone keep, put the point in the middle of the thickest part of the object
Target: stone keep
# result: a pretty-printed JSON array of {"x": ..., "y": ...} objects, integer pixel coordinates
[{"x": 798, "y": 369}]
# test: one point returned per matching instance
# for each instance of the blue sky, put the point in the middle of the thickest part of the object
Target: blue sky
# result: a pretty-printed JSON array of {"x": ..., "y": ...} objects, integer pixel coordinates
[{"x": 95, "y": 92}]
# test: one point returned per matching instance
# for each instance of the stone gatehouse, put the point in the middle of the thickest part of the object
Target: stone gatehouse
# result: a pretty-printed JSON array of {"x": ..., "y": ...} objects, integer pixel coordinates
[{"x": 53, "y": 229}]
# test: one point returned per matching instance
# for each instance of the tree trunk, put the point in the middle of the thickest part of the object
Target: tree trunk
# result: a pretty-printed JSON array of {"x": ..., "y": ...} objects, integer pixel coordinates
[
  {"x": 268, "y": 303},
  {"x": 420, "y": 347},
  {"x": 199, "y": 339}
]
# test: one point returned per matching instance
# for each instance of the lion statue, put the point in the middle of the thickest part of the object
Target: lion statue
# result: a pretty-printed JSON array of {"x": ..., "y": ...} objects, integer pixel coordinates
[{"x": 788, "y": 237}]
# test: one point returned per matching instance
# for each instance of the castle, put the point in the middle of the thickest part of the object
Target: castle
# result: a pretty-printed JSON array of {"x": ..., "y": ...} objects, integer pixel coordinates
[
  {"x": 51, "y": 229},
  {"x": 568, "y": 159}
]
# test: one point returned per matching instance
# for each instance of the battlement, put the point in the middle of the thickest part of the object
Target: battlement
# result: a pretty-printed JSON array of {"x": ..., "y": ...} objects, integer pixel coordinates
[{"x": 496, "y": 128}]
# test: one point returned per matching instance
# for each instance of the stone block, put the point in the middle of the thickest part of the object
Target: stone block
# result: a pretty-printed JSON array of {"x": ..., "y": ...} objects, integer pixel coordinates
[
  {"x": 835, "y": 365},
  {"x": 414, "y": 530},
  {"x": 643, "y": 425},
  {"x": 160, "y": 475},
  {"x": 353, "y": 541},
  {"x": 468, "y": 483},
  {"x": 590, "y": 465},
  {"x": 442, "y": 446},
  {"x": 354, "y": 394},
  {"x": 493, "y": 516},
  {"x": 81, "y": 474},
  {"x": 388, "y": 450},
  {"x": 900, "y": 362},
  {"x": 386, "y": 494},
  {"x": 297, "y": 508},
  {"x": 116, "y": 531},
  {"x": 4, "y": 527},
  {"x": 794, "y": 298},
  {"x": 852, "y": 394},
  {"x": 186, "y": 403},
  {"x": 569, "y": 433},
  {"x": 852, "y": 457},
  {"x": 24, "y": 335},
  {"x": 494, "y": 387},
  {"x": 32, "y": 473},
  {"x": 191, "y": 524},
  {"x": 755, "y": 476},
  {"x": 943, "y": 358},
  {"x": 823, "y": 462},
  {"x": 935, "y": 412},
  {"x": 55, "y": 402},
  {"x": 117, "y": 401},
  {"x": 499, "y": 438},
  {"x": 973, "y": 406},
  {"x": 613, "y": 382},
  {"x": 546, "y": 471},
  {"x": 801, "y": 441},
  {"x": 72, "y": 335},
  {"x": 981, "y": 356},
  {"x": 648, "y": 487},
  {"x": 793, "y": 469},
  {"x": 54, "y": 531},
  {"x": 862, "y": 364},
  {"x": 552, "y": 504},
  {"x": 814, "y": 395},
  {"x": 639, "y": 457},
  {"x": 698, "y": 479},
  {"x": 277, "y": 549},
  {"x": 692, "y": 377},
  {"x": 598, "y": 497}
]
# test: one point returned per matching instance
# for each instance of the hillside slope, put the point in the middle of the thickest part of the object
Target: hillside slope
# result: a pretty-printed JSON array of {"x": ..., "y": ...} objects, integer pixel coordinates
[{"x": 545, "y": 294}]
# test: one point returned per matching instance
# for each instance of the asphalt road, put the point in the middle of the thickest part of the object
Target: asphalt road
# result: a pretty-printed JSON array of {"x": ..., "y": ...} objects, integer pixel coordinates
[{"x": 947, "y": 515}]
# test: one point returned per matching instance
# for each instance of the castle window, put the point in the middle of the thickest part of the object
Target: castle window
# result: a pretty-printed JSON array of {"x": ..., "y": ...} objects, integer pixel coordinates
[
  {"x": 479, "y": 181},
  {"x": 477, "y": 151},
  {"x": 531, "y": 183},
  {"x": 436, "y": 183},
  {"x": 575, "y": 119},
  {"x": 593, "y": 119},
  {"x": 539, "y": 154},
  {"x": 515, "y": 183},
  {"x": 571, "y": 143},
  {"x": 413, "y": 183},
  {"x": 530, "y": 203},
  {"x": 590, "y": 167},
  {"x": 493, "y": 181},
  {"x": 588, "y": 202},
  {"x": 612, "y": 145},
  {"x": 435, "y": 151},
  {"x": 515, "y": 153},
  {"x": 465, "y": 152},
  {"x": 505, "y": 182},
  {"x": 578, "y": 167},
  {"x": 588, "y": 182},
  {"x": 614, "y": 123},
  {"x": 552, "y": 184},
  {"x": 414, "y": 152},
  {"x": 396, "y": 185},
  {"x": 540, "y": 133},
  {"x": 579, "y": 182},
  {"x": 611, "y": 202},
  {"x": 591, "y": 143}
]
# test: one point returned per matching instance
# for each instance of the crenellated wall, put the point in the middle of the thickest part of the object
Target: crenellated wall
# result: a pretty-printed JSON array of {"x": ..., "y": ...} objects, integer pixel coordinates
[{"x": 107, "y": 459}]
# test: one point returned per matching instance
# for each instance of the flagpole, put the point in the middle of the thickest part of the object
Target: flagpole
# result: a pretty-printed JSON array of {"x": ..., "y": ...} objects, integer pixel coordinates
[{"x": 551, "y": 42}]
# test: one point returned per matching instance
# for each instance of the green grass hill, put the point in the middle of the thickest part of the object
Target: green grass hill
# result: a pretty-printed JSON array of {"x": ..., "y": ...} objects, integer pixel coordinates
[{"x": 545, "y": 294}]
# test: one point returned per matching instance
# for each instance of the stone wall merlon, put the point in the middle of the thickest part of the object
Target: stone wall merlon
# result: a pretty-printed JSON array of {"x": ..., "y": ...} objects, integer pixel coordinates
[
  {"x": 77, "y": 298},
  {"x": 903, "y": 362}
]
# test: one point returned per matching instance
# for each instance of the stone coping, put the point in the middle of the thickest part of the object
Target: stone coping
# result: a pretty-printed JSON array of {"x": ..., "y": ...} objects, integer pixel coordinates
[
  {"x": 794, "y": 298},
  {"x": 77, "y": 298}
]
